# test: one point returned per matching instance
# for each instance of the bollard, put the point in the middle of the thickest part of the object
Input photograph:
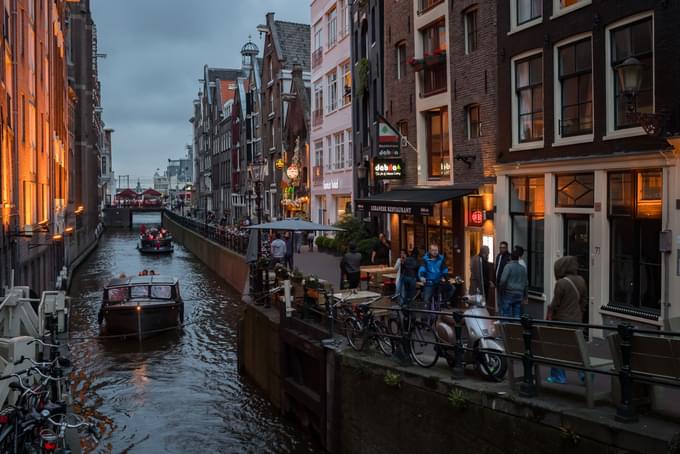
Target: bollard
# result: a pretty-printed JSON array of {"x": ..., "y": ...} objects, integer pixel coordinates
[
  {"x": 528, "y": 387},
  {"x": 625, "y": 411},
  {"x": 459, "y": 358}
]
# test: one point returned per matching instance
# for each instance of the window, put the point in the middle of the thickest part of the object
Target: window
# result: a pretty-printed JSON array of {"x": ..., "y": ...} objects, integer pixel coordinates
[
  {"x": 427, "y": 4},
  {"x": 318, "y": 30},
  {"x": 528, "y": 10},
  {"x": 318, "y": 96},
  {"x": 350, "y": 150},
  {"x": 527, "y": 195},
  {"x": 470, "y": 22},
  {"x": 434, "y": 41},
  {"x": 439, "y": 164},
  {"x": 347, "y": 84},
  {"x": 332, "y": 18},
  {"x": 332, "y": 91},
  {"x": 139, "y": 291},
  {"x": 635, "y": 223},
  {"x": 576, "y": 85},
  {"x": 403, "y": 128},
  {"x": 344, "y": 17},
  {"x": 633, "y": 40},
  {"x": 329, "y": 147},
  {"x": 564, "y": 4},
  {"x": 339, "y": 150},
  {"x": 575, "y": 190},
  {"x": 400, "y": 51},
  {"x": 474, "y": 123},
  {"x": 529, "y": 93}
]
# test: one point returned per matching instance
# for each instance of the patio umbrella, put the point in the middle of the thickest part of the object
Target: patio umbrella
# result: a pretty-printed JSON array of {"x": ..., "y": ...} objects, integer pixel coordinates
[
  {"x": 251, "y": 252},
  {"x": 295, "y": 224}
]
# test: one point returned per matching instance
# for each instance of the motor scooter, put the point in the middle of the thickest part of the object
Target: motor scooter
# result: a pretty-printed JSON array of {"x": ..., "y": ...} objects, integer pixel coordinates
[{"x": 479, "y": 337}]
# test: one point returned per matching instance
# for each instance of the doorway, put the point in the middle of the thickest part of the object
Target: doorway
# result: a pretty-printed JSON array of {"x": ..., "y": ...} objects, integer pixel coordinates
[{"x": 577, "y": 244}]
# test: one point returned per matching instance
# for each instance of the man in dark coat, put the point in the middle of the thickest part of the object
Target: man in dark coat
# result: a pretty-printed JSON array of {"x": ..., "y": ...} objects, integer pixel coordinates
[{"x": 481, "y": 273}]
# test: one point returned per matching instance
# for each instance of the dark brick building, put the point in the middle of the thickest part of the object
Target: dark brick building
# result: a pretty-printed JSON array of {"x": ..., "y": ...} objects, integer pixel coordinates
[
  {"x": 285, "y": 44},
  {"x": 577, "y": 173}
]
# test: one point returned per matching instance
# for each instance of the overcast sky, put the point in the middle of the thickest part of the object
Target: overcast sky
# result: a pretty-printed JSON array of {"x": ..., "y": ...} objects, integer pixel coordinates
[{"x": 156, "y": 50}]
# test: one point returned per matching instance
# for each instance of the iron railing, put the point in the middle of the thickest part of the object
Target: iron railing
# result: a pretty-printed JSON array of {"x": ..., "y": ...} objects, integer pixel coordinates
[{"x": 234, "y": 241}]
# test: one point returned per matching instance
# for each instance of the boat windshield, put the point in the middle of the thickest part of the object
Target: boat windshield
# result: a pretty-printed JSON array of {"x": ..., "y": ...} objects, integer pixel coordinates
[
  {"x": 139, "y": 291},
  {"x": 118, "y": 295},
  {"x": 161, "y": 292}
]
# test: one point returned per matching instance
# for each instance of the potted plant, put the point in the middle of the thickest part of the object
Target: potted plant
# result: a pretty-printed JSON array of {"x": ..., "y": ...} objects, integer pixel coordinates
[
  {"x": 418, "y": 64},
  {"x": 312, "y": 284},
  {"x": 435, "y": 57}
]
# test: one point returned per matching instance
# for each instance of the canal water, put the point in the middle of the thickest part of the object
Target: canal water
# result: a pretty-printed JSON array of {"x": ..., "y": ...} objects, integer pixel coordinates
[{"x": 176, "y": 393}]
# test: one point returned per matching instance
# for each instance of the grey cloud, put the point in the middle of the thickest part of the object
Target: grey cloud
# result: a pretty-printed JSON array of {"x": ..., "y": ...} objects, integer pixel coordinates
[{"x": 156, "y": 51}]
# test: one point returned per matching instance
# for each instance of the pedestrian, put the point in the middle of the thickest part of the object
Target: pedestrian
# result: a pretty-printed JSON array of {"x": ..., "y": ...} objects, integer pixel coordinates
[
  {"x": 397, "y": 266},
  {"x": 381, "y": 251},
  {"x": 408, "y": 276},
  {"x": 514, "y": 285},
  {"x": 350, "y": 266},
  {"x": 278, "y": 249},
  {"x": 520, "y": 254},
  {"x": 569, "y": 303},
  {"x": 502, "y": 259},
  {"x": 310, "y": 241},
  {"x": 434, "y": 275},
  {"x": 289, "y": 250},
  {"x": 298, "y": 241},
  {"x": 481, "y": 271}
]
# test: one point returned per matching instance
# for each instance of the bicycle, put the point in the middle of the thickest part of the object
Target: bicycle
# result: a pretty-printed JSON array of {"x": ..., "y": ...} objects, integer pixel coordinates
[
  {"x": 54, "y": 440},
  {"x": 420, "y": 337},
  {"x": 362, "y": 325}
]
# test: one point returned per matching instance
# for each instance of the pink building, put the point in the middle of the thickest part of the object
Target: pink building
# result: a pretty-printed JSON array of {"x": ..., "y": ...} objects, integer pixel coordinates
[{"x": 331, "y": 136}]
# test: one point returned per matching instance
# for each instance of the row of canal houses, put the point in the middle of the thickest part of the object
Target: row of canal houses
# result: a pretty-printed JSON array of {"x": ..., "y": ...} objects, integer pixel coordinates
[{"x": 466, "y": 123}]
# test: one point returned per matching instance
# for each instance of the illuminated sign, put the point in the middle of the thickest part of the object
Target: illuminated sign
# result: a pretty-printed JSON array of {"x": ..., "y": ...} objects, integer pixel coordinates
[
  {"x": 476, "y": 213},
  {"x": 477, "y": 217},
  {"x": 333, "y": 184},
  {"x": 279, "y": 164},
  {"x": 378, "y": 207},
  {"x": 388, "y": 169}
]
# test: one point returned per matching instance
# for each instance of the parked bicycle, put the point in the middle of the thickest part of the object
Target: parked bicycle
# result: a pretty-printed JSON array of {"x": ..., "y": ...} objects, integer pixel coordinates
[{"x": 363, "y": 327}]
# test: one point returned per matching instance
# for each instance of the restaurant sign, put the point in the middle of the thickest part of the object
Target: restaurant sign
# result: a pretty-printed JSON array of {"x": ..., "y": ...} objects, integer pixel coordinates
[
  {"x": 389, "y": 139},
  {"x": 388, "y": 169},
  {"x": 381, "y": 207}
]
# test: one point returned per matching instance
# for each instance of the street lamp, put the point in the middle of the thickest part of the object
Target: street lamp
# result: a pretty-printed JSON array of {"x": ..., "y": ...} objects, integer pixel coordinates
[
  {"x": 629, "y": 77},
  {"x": 256, "y": 176}
]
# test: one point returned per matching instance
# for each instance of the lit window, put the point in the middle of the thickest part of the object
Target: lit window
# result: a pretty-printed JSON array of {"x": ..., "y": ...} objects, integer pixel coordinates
[{"x": 439, "y": 163}]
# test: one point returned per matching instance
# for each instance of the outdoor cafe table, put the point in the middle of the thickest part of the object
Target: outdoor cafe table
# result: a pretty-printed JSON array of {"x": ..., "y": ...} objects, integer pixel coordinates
[{"x": 377, "y": 270}]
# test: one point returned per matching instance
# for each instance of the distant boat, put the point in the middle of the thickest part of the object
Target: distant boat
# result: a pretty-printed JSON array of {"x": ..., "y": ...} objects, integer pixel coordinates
[
  {"x": 153, "y": 241},
  {"x": 141, "y": 306}
]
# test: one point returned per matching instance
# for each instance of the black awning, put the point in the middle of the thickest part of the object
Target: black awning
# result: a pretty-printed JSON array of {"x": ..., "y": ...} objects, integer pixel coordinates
[{"x": 415, "y": 201}]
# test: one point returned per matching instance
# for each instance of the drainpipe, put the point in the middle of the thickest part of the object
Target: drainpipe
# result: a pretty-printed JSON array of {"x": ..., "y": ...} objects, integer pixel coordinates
[{"x": 14, "y": 215}]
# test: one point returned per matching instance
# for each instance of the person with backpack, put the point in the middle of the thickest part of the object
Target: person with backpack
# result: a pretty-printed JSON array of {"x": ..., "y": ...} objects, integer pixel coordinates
[{"x": 569, "y": 302}]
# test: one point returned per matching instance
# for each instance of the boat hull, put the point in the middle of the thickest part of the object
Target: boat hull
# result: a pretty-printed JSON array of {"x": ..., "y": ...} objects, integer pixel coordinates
[
  {"x": 155, "y": 247},
  {"x": 152, "y": 318}
]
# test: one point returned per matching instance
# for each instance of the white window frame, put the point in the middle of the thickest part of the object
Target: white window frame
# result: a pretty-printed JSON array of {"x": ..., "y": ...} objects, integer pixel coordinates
[
  {"x": 557, "y": 92},
  {"x": 466, "y": 13},
  {"x": 400, "y": 45},
  {"x": 349, "y": 153},
  {"x": 329, "y": 149},
  {"x": 332, "y": 90},
  {"x": 559, "y": 10},
  {"x": 346, "y": 69},
  {"x": 318, "y": 95},
  {"x": 339, "y": 143},
  {"x": 516, "y": 145},
  {"x": 318, "y": 153},
  {"x": 318, "y": 36},
  {"x": 332, "y": 21},
  {"x": 514, "y": 28},
  {"x": 612, "y": 132}
]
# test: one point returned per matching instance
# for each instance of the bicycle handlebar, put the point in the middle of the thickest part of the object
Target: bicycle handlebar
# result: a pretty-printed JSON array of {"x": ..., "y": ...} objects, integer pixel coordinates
[
  {"x": 44, "y": 344},
  {"x": 63, "y": 362}
]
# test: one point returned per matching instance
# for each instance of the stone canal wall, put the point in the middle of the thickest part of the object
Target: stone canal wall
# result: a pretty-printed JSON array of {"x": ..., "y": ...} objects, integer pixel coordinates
[
  {"x": 370, "y": 405},
  {"x": 229, "y": 265}
]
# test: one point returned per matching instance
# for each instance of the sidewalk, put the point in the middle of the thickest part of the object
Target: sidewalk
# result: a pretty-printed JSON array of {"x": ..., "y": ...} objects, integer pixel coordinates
[{"x": 325, "y": 266}]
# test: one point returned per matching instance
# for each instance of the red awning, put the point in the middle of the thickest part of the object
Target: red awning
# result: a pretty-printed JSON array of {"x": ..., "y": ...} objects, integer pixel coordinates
[
  {"x": 126, "y": 194},
  {"x": 152, "y": 192}
]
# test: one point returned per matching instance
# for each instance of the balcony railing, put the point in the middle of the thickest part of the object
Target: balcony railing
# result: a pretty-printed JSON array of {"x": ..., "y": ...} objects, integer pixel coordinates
[
  {"x": 317, "y": 117},
  {"x": 434, "y": 79},
  {"x": 317, "y": 175},
  {"x": 317, "y": 57}
]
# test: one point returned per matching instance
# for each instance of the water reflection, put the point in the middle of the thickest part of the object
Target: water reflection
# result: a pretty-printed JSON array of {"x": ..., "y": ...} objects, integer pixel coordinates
[{"x": 176, "y": 392}]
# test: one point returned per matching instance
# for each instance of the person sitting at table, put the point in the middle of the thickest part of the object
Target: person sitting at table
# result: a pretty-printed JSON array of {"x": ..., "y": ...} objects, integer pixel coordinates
[{"x": 350, "y": 266}]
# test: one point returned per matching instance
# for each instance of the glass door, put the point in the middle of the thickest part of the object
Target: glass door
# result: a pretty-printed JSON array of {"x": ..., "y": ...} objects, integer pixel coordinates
[{"x": 577, "y": 244}]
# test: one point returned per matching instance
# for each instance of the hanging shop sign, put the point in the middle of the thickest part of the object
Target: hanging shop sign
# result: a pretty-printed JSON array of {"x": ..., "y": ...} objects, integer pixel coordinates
[
  {"x": 389, "y": 139},
  {"x": 293, "y": 171},
  {"x": 332, "y": 184},
  {"x": 476, "y": 212},
  {"x": 388, "y": 169},
  {"x": 279, "y": 164}
]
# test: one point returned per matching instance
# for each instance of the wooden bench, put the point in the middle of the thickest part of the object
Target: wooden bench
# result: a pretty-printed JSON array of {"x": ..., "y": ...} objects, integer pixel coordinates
[
  {"x": 563, "y": 346},
  {"x": 651, "y": 357}
]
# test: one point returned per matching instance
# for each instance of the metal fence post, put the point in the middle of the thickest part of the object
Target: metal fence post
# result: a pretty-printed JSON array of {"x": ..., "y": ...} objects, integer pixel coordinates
[
  {"x": 459, "y": 353},
  {"x": 625, "y": 411},
  {"x": 528, "y": 387}
]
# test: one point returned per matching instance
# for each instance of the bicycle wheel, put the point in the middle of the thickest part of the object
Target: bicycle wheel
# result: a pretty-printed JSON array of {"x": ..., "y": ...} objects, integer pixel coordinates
[
  {"x": 354, "y": 333},
  {"x": 382, "y": 338},
  {"x": 423, "y": 351}
]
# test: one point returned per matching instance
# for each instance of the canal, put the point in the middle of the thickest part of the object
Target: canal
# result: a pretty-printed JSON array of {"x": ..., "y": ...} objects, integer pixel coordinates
[{"x": 176, "y": 392}]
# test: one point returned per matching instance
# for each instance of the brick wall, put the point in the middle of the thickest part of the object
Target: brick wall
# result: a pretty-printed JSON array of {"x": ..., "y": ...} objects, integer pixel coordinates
[
  {"x": 473, "y": 80},
  {"x": 399, "y": 105}
]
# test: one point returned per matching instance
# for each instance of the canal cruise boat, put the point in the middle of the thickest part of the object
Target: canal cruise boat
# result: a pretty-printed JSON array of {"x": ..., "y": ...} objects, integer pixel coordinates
[
  {"x": 141, "y": 306},
  {"x": 155, "y": 241}
]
